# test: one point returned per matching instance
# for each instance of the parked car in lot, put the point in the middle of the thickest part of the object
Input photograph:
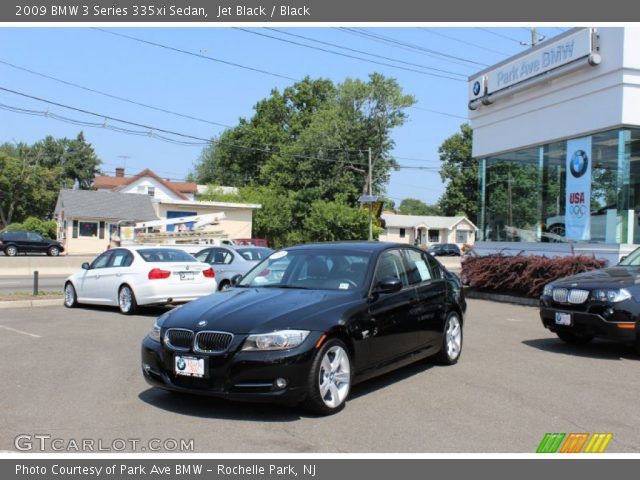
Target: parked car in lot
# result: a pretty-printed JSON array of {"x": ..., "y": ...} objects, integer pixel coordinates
[
  {"x": 15, "y": 242},
  {"x": 251, "y": 242},
  {"x": 444, "y": 249},
  {"x": 597, "y": 304},
  {"x": 135, "y": 276},
  {"x": 229, "y": 262},
  {"x": 307, "y": 323}
]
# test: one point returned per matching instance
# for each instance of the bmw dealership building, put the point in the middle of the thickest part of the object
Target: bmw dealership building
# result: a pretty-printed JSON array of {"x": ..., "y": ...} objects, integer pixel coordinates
[{"x": 556, "y": 132}]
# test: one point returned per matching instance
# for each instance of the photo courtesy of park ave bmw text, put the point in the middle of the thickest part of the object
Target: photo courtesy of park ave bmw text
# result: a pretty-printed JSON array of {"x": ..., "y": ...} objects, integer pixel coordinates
[{"x": 305, "y": 239}]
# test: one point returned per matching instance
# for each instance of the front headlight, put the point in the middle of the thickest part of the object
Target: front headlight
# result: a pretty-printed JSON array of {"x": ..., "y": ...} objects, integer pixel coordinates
[
  {"x": 154, "y": 334},
  {"x": 548, "y": 290},
  {"x": 280, "y": 340},
  {"x": 613, "y": 296}
]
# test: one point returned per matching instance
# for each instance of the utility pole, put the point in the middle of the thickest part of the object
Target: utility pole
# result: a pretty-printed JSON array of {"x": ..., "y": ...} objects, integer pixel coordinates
[
  {"x": 370, "y": 203},
  {"x": 535, "y": 38}
]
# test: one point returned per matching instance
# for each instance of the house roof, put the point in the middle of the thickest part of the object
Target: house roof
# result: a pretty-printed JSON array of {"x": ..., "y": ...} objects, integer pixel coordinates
[
  {"x": 117, "y": 183},
  {"x": 101, "y": 205},
  {"x": 412, "y": 221}
]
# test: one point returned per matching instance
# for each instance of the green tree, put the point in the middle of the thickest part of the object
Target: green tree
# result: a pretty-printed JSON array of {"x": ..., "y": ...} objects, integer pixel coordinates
[
  {"x": 26, "y": 187},
  {"x": 309, "y": 144},
  {"x": 46, "y": 228},
  {"x": 460, "y": 172},
  {"x": 335, "y": 221},
  {"x": 413, "y": 206},
  {"x": 77, "y": 159}
]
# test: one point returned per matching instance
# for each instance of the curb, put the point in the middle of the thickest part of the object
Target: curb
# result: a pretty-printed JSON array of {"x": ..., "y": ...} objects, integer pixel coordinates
[
  {"x": 497, "y": 297},
  {"x": 31, "y": 303}
]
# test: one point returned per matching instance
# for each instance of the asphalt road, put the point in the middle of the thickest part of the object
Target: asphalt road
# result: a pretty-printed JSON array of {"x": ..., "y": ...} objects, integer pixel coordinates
[
  {"x": 75, "y": 374},
  {"x": 25, "y": 283}
]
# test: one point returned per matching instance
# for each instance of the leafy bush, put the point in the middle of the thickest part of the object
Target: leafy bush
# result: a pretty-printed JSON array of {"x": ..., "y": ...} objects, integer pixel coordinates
[
  {"x": 523, "y": 275},
  {"x": 46, "y": 228}
]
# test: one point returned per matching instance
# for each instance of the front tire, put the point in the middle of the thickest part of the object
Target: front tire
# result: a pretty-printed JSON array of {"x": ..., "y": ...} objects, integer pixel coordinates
[
  {"x": 127, "y": 300},
  {"x": 451, "y": 341},
  {"x": 53, "y": 251},
  {"x": 329, "y": 381},
  {"x": 11, "y": 251},
  {"x": 574, "y": 338},
  {"x": 70, "y": 296}
]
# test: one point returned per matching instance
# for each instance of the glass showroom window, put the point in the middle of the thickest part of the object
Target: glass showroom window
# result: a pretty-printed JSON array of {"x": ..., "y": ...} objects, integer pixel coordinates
[
  {"x": 88, "y": 229},
  {"x": 524, "y": 193}
]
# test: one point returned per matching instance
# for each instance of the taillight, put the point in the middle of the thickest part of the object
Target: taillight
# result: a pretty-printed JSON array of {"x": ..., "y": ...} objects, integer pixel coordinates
[
  {"x": 209, "y": 273},
  {"x": 157, "y": 274}
]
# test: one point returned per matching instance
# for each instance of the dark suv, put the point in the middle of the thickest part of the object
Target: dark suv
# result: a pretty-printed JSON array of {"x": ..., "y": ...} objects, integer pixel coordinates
[
  {"x": 20, "y": 241},
  {"x": 444, "y": 249}
]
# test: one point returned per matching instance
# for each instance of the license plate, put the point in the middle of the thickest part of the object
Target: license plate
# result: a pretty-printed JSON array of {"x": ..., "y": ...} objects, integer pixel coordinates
[
  {"x": 186, "y": 275},
  {"x": 563, "y": 319},
  {"x": 189, "y": 366}
]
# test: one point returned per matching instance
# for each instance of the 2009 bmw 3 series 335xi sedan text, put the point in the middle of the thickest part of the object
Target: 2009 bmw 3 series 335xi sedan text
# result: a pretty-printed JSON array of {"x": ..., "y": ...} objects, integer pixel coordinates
[{"x": 307, "y": 323}]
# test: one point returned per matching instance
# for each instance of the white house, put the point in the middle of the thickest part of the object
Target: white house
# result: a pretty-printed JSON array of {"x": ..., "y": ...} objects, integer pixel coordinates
[{"x": 427, "y": 230}]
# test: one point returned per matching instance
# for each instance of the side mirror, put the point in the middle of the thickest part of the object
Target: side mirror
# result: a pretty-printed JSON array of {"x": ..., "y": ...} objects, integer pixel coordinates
[
  {"x": 86, "y": 266},
  {"x": 624, "y": 257},
  {"x": 388, "y": 285},
  {"x": 236, "y": 279}
]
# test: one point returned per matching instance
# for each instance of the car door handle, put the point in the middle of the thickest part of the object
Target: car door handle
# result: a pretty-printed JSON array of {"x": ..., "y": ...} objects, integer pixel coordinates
[{"x": 118, "y": 274}]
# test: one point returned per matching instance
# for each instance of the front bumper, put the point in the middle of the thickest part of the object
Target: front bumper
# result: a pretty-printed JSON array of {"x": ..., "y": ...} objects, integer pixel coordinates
[
  {"x": 586, "y": 323},
  {"x": 235, "y": 375}
]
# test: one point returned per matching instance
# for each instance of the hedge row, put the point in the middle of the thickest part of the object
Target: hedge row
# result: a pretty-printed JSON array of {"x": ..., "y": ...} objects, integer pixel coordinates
[{"x": 523, "y": 275}]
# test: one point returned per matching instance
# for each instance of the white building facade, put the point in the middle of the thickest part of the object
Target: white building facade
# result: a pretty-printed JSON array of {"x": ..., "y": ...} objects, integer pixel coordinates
[{"x": 556, "y": 131}]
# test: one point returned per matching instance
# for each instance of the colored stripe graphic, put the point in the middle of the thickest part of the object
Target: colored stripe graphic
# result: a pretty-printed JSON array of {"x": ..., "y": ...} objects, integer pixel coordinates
[
  {"x": 574, "y": 443},
  {"x": 598, "y": 443},
  {"x": 550, "y": 442}
]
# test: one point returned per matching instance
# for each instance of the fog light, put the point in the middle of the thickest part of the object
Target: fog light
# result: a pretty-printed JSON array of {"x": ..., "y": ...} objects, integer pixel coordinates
[
  {"x": 608, "y": 312},
  {"x": 146, "y": 367},
  {"x": 280, "y": 383}
]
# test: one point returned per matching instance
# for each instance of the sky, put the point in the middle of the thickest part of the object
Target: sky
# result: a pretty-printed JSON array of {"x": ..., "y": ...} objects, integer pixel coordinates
[{"x": 434, "y": 66}]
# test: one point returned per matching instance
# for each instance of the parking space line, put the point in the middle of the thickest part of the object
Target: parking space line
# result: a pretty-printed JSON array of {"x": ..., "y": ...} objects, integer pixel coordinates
[{"x": 20, "y": 331}]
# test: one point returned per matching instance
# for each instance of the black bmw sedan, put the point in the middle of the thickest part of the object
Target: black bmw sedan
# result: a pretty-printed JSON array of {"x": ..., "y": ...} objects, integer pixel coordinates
[
  {"x": 307, "y": 323},
  {"x": 598, "y": 304}
]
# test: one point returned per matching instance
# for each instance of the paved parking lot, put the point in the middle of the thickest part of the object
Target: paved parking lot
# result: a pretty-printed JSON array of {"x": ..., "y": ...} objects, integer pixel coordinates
[{"x": 74, "y": 374}]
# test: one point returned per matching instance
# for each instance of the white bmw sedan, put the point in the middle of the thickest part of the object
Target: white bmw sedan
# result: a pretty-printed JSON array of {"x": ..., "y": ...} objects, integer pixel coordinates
[{"x": 134, "y": 276}]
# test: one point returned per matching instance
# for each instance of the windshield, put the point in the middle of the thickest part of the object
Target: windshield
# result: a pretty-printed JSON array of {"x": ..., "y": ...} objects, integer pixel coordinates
[
  {"x": 632, "y": 260},
  {"x": 257, "y": 253},
  {"x": 156, "y": 255},
  {"x": 306, "y": 269}
]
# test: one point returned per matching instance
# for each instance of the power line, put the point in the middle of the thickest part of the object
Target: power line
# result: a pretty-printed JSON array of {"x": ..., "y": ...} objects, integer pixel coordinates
[
  {"x": 150, "y": 131},
  {"x": 501, "y": 35},
  {"x": 198, "y": 55},
  {"x": 351, "y": 56},
  {"x": 105, "y": 94},
  {"x": 412, "y": 46},
  {"x": 464, "y": 42},
  {"x": 439, "y": 112},
  {"x": 366, "y": 53}
]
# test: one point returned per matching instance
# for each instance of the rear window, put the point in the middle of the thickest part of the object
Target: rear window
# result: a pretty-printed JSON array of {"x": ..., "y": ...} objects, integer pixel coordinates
[
  {"x": 158, "y": 255},
  {"x": 14, "y": 236}
]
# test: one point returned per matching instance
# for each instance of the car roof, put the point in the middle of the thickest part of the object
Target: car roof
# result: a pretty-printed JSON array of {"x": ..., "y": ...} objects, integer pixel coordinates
[{"x": 364, "y": 246}]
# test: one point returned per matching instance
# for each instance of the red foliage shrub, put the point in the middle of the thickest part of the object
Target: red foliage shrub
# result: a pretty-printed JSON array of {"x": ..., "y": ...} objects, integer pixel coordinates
[{"x": 520, "y": 274}]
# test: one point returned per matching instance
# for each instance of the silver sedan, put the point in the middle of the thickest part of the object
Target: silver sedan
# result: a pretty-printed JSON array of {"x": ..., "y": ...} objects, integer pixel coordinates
[{"x": 228, "y": 262}]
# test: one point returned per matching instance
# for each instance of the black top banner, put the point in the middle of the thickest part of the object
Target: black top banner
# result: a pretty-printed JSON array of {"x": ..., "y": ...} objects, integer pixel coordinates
[{"x": 272, "y": 11}]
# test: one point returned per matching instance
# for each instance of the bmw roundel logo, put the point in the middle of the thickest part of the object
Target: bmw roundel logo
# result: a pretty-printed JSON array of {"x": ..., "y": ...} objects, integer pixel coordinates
[
  {"x": 181, "y": 364},
  {"x": 202, "y": 323},
  {"x": 476, "y": 88},
  {"x": 579, "y": 163}
]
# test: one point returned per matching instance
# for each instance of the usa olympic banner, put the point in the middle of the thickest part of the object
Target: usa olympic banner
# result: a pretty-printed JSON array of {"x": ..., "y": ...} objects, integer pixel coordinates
[{"x": 578, "y": 196}]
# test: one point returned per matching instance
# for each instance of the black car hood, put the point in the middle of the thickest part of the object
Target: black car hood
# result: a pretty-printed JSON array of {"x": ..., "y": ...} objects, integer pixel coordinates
[
  {"x": 257, "y": 310},
  {"x": 616, "y": 277}
]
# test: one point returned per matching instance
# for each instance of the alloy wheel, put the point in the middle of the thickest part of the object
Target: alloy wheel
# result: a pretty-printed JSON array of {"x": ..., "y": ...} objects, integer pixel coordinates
[
  {"x": 69, "y": 295},
  {"x": 453, "y": 337},
  {"x": 11, "y": 251},
  {"x": 334, "y": 378},
  {"x": 125, "y": 299}
]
